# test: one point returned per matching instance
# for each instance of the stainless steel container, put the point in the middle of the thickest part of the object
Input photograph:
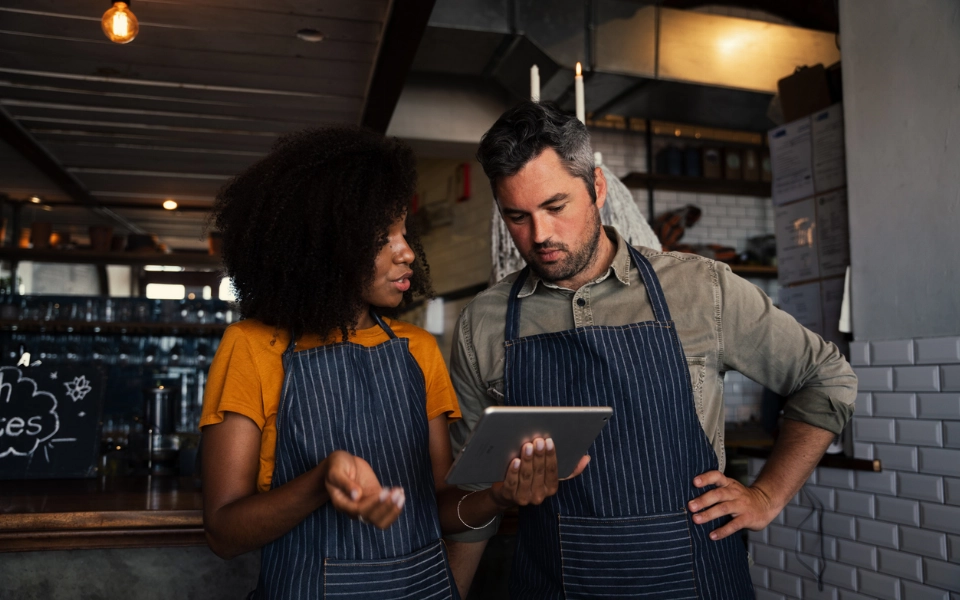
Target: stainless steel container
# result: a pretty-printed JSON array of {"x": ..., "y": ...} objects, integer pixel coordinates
[{"x": 160, "y": 422}]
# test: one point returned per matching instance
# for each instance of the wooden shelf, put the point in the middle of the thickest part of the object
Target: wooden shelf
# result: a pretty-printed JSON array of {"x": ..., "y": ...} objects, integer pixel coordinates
[
  {"x": 831, "y": 461},
  {"x": 755, "y": 271},
  {"x": 700, "y": 185},
  {"x": 112, "y": 327},
  {"x": 180, "y": 259}
]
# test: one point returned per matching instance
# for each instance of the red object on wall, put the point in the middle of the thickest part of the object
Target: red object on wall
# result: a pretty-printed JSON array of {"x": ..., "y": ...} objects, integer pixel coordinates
[{"x": 463, "y": 174}]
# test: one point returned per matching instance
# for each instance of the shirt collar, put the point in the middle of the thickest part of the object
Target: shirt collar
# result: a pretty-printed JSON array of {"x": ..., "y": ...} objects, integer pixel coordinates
[{"x": 620, "y": 267}]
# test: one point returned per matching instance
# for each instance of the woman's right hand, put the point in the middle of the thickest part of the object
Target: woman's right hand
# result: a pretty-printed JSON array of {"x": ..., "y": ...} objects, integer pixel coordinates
[{"x": 355, "y": 491}]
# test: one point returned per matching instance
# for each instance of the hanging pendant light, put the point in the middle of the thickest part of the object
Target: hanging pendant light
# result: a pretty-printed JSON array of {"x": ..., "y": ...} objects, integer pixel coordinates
[{"x": 119, "y": 23}]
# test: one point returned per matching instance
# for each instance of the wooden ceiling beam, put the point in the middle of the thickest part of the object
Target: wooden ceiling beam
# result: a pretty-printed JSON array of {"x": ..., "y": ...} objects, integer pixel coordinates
[
  {"x": 288, "y": 79},
  {"x": 205, "y": 19},
  {"x": 21, "y": 141},
  {"x": 401, "y": 39}
]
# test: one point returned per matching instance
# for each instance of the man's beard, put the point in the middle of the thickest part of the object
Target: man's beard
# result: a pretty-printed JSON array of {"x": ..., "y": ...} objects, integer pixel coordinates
[{"x": 573, "y": 262}]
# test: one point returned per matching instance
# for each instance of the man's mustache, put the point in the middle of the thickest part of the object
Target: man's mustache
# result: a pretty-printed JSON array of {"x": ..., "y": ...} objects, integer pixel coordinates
[{"x": 549, "y": 246}]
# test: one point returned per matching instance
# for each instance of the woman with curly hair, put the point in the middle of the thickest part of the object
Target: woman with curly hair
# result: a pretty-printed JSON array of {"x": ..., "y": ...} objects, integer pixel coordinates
[{"x": 324, "y": 421}]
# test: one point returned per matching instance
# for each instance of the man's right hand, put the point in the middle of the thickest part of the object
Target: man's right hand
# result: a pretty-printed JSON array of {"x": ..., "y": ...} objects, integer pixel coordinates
[
  {"x": 533, "y": 477},
  {"x": 354, "y": 490}
]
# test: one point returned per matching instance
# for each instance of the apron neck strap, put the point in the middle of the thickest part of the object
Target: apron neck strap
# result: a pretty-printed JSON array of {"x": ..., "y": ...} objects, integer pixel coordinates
[
  {"x": 648, "y": 277},
  {"x": 383, "y": 325},
  {"x": 513, "y": 306},
  {"x": 293, "y": 342},
  {"x": 379, "y": 321},
  {"x": 650, "y": 280}
]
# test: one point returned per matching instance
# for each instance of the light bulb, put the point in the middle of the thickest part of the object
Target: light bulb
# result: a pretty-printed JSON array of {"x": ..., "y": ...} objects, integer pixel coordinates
[
  {"x": 170, "y": 204},
  {"x": 119, "y": 23}
]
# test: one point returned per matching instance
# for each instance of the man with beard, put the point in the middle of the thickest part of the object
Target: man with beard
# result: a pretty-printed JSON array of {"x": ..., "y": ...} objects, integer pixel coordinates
[{"x": 593, "y": 322}]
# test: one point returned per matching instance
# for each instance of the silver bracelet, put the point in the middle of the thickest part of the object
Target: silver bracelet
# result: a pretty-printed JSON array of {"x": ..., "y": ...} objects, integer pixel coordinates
[{"x": 464, "y": 497}]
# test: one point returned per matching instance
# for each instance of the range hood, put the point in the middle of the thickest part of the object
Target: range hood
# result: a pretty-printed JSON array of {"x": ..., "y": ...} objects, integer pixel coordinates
[{"x": 640, "y": 60}]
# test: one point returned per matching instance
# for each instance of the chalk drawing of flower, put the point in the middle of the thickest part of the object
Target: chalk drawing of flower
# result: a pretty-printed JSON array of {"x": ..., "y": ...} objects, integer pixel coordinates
[{"x": 78, "y": 388}]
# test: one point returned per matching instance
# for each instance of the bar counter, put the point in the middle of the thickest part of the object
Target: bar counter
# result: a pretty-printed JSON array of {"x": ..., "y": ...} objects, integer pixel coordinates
[{"x": 106, "y": 512}]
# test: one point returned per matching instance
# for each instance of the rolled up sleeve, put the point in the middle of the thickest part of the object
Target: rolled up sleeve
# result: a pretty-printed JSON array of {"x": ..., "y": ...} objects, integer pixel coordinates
[{"x": 770, "y": 347}]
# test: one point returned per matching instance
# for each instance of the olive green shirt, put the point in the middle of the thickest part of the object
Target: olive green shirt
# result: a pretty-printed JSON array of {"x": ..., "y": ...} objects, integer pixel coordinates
[{"x": 724, "y": 323}]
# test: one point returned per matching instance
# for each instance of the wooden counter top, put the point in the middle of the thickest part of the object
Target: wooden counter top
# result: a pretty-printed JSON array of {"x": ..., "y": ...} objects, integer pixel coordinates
[{"x": 107, "y": 512}]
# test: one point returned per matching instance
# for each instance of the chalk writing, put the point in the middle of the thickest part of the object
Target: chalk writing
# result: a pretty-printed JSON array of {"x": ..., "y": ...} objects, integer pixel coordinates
[{"x": 28, "y": 416}]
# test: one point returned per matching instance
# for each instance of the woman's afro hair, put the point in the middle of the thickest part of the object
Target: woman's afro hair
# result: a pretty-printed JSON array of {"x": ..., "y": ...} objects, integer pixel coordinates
[{"x": 302, "y": 227}]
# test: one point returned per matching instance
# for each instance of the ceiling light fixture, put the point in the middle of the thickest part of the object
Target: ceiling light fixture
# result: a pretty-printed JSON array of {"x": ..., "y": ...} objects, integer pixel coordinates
[
  {"x": 310, "y": 35},
  {"x": 35, "y": 199},
  {"x": 170, "y": 205},
  {"x": 119, "y": 23}
]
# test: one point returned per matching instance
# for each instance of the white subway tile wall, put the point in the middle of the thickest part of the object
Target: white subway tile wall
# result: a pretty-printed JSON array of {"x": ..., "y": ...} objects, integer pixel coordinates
[{"x": 892, "y": 534}]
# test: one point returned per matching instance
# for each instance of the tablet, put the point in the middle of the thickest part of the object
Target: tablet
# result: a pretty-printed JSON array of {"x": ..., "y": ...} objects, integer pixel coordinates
[{"x": 502, "y": 431}]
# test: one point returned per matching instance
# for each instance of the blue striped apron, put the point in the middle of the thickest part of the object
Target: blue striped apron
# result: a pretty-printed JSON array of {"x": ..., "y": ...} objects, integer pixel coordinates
[
  {"x": 621, "y": 529},
  {"x": 370, "y": 402}
]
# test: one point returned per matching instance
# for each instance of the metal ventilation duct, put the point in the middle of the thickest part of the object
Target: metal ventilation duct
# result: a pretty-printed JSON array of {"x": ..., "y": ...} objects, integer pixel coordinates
[{"x": 641, "y": 61}]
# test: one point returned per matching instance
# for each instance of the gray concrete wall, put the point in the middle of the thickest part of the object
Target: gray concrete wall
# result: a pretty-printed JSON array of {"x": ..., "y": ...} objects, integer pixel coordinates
[{"x": 901, "y": 83}]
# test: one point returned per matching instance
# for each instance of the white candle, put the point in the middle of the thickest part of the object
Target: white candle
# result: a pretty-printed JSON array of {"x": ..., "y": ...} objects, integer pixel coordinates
[
  {"x": 578, "y": 88},
  {"x": 535, "y": 83}
]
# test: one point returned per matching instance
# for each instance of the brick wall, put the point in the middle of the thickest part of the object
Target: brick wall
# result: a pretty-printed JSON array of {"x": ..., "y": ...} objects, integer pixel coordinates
[{"x": 893, "y": 534}]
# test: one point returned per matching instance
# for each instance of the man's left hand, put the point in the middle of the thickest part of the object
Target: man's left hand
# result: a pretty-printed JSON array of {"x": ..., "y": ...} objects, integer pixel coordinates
[{"x": 750, "y": 507}]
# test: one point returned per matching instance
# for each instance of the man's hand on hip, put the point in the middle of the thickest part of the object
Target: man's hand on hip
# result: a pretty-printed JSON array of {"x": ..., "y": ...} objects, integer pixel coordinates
[{"x": 750, "y": 507}]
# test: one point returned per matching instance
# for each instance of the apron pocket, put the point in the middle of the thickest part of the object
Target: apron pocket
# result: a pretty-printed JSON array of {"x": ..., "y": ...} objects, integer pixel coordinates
[
  {"x": 648, "y": 557},
  {"x": 416, "y": 576}
]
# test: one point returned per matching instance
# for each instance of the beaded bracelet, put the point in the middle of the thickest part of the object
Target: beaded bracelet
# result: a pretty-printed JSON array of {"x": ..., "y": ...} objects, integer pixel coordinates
[{"x": 464, "y": 497}]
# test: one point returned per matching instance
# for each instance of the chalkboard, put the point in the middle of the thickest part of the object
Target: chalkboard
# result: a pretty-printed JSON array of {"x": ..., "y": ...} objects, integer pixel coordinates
[{"x": 50, "y": 421}]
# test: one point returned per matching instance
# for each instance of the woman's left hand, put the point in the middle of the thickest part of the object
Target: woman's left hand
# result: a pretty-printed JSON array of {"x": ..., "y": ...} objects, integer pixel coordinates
[{"x": 354, "y": 490}]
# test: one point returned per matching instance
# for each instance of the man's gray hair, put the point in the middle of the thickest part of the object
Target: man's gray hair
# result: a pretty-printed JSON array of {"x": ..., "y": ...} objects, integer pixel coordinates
[{"x": 526, "y": 130}]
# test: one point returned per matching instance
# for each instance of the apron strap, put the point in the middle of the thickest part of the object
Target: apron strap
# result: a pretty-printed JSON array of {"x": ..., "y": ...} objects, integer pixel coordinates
[
  {"x": 376, "y": 318},
  {"x": 648, "y": 277},
  {"x": 292, "y": 344},
  {"x": 513, "y": 306},
  {"x": 650, "y": 280},
  {"x": 383, "y": 325}
]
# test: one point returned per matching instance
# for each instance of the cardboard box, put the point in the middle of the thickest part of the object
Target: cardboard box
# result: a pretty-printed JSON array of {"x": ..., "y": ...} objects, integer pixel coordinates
[
  {"x": 829, "y": 153},
  {"x": 833, "y": 233},
  {"x": 803, "y": 302},
  {"x": 796, "y": 231},
  {"x": 831, "y": 300},
  {"x": 804, "y": 93},
  {"x": 791, "y": 158}
]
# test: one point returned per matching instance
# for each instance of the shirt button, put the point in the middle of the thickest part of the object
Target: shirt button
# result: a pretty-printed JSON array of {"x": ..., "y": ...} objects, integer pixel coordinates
[{"x": 581, "y": 302}]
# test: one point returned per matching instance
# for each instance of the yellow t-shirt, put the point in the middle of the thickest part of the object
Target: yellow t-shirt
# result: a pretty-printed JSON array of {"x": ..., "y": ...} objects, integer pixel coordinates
[{"x": 246, "y": 377}]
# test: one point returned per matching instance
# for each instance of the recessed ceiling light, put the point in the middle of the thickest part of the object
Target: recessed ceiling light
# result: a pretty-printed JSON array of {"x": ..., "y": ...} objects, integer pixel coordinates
[
  {"x": 170, "y": 205},
  {"x": 35, "y": 199},
  {"x": 310, "y": 35},
  {"x": 46, "y": 208}
]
